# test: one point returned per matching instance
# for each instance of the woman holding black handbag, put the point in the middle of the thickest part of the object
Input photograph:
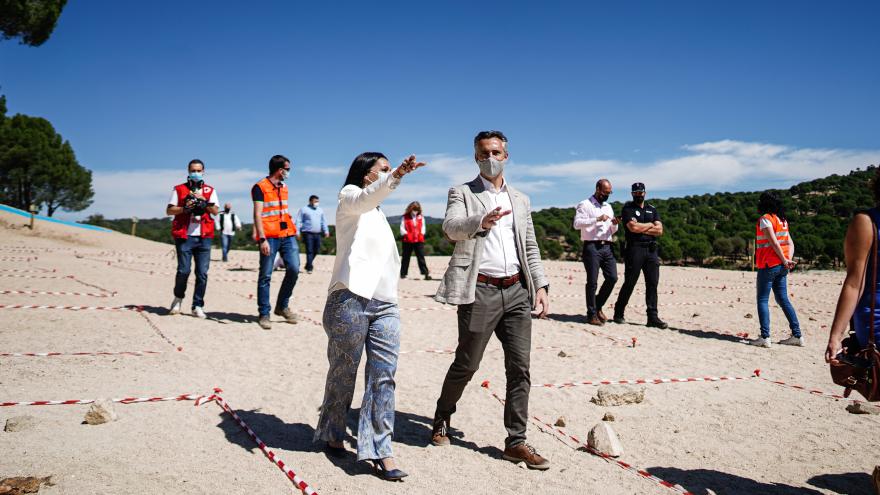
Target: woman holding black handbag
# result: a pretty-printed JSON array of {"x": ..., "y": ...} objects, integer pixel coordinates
[
  {"x": 858, "y": 300},
  {"x": 854, "y": 360}
]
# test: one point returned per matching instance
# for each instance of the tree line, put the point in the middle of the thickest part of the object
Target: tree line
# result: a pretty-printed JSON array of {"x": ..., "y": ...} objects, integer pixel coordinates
[
  {"x": 709, "y": 229},
  {"x": 718, "y": 229}
]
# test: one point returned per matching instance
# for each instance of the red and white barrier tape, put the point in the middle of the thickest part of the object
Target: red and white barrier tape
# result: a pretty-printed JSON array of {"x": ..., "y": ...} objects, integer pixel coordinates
[
  {"x": 401, "y": 309},
  {"x": 54, "y": 293},
  {"x": 539, "y": 348},
  {"x": 93, "y": 286},
  {"x": 299, "y": 482},
  {"x": 807, "y": 390},
  {"x": 100, "y": 353},
  {"x": 643, "y": 381},
  {"x": 126, "y": 400},
  {"x": 140, "y": 312},
  {"x": 72, "y": 308},
  {"x": 565, "y": 437},
  {"x": 615, "y": 340},
  {"x": 14, "y": 275},
  {"x": 429, "y": 351},
  {"x": 310, "y": 320},
  {"x": 685, "y": 303}
]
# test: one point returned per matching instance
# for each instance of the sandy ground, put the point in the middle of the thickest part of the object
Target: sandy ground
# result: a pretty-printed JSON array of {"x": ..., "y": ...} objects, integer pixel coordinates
[{"x": 745, "y": 436}]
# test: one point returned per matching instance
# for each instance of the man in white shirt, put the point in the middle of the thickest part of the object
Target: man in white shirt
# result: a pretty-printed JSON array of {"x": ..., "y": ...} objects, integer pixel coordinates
[
  {"x": 227, "y": 223},
  {"x": 496, "y": 278},
  {"x": 595, "y": 218},
  {"x": 192, "y": 204}
]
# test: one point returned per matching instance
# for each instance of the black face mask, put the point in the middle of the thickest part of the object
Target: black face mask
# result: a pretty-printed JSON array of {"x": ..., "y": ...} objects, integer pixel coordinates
[
  {"x": 601, "y": 198},
  {"x": 226, "y": 210},
  {"x": 638, "y": 199}
]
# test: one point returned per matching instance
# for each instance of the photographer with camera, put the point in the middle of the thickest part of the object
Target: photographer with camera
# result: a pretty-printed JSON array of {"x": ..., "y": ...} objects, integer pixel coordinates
[
  {"x": 642, "y": 228},
  {"x": 192, "y": 204}
]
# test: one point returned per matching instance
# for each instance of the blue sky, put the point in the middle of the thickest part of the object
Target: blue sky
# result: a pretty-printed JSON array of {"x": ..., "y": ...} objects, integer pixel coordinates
[{"x": 688, "y": 97}]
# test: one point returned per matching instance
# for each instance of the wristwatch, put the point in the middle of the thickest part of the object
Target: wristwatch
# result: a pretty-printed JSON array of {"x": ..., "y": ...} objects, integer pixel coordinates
[{"x": 260, "y": 241}]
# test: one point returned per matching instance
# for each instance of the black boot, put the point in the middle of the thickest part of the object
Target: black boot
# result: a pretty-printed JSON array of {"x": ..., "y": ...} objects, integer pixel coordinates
[{"x": 656, "y": 322}]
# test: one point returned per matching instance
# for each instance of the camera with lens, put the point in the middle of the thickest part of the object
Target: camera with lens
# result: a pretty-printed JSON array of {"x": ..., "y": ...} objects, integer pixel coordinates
[{"x": 195, "y": 206}]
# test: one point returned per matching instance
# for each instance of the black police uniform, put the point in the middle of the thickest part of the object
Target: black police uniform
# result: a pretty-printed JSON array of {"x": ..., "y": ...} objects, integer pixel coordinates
[{"x": 640, "y": 254}]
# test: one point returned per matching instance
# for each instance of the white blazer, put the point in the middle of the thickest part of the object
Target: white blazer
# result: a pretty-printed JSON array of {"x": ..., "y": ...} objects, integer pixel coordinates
[{"x": 367, "y": 261}]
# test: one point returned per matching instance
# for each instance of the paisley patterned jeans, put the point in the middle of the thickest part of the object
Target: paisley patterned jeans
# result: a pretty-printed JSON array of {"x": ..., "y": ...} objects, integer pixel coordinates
[{"x": 353, "y": 322}]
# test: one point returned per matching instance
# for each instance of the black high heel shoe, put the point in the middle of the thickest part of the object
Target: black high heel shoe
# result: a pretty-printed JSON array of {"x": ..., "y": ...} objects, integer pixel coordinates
[{"x": 393, "y": 475}]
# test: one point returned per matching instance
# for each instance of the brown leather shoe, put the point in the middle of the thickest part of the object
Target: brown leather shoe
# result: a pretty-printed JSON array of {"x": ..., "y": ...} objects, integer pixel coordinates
[
  {"x": 595, "y": 321},
  {"x": 526, "y": 453},
  {"x": 601, "y": 316},
  {"x": 440, "y": 435}
]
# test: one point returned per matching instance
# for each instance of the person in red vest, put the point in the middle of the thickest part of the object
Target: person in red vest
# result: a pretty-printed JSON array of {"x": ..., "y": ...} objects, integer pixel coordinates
[
  {"x": 774, "y": 253},
  {"x": 412, "y": 231},
  {"x": 275, "y": 232},
  {"x": 192, "y": 204}
]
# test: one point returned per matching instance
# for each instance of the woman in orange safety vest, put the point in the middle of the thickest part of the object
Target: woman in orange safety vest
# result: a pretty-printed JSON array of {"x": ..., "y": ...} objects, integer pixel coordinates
[{"x": 774, "y": 250}]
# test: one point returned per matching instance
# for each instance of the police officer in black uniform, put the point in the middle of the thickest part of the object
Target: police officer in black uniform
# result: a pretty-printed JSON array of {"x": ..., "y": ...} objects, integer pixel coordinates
[{"x": 642, "y": 228}]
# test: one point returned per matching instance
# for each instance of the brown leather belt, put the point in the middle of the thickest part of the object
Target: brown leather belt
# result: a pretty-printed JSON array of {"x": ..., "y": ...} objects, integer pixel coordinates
[{"x": 498, "y": 282}]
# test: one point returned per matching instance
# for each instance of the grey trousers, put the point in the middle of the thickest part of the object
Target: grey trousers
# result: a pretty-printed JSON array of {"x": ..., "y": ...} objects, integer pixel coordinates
[
  {"x": 598, "y": 257},
  {"x": 507, "y": 314}
]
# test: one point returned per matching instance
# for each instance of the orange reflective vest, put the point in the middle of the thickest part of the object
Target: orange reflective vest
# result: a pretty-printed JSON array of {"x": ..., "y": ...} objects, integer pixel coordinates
[
  {"x": 765, "y": 256},
  {"x": 413, "y": 229},
  {"x": 275, "y": 216}
]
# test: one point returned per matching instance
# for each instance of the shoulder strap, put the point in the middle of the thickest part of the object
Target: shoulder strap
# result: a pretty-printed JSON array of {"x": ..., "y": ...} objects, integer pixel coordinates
[{"x": 872, "y": 330}]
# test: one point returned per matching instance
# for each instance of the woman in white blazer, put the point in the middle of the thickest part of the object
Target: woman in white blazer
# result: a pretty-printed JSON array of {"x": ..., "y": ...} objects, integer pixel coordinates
[{"x": 361, "y": 312}]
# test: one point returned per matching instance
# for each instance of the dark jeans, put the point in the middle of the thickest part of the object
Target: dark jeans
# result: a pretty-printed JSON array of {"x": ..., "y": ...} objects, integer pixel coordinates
[
  {"x": 408, "y": 248},
  {"x": 225, "y": 242},
  {"x": 289, "y": 249},
  {"x": 313, "y": 247},
  {"x": 639, "y": 258},
  {"x": 595, "y": 257},
  {"x": 187, "y": 249},
  {"x": 507, "y": 314},
  {"x": 775, "y": 279}
]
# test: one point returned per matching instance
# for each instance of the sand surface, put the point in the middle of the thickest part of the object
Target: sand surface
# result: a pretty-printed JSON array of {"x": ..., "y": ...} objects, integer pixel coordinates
[{"x": 739, "y": 436}]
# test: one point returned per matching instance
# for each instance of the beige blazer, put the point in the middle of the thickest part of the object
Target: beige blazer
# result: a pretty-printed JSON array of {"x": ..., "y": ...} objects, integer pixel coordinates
[{"x": 466, "y": 206}]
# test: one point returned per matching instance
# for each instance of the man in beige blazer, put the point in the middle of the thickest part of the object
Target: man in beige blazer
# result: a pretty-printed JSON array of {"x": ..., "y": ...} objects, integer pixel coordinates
[{"x": 496, "y": 278}]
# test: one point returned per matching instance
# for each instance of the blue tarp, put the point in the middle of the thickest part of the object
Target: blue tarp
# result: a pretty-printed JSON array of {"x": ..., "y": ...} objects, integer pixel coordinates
[{"x": 50, "y": 219}]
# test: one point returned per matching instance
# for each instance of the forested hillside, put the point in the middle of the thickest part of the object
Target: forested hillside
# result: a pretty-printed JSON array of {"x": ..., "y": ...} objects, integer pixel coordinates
[
  {"x": 711, "y": 228},
  {"x": 720, "y": 227}
]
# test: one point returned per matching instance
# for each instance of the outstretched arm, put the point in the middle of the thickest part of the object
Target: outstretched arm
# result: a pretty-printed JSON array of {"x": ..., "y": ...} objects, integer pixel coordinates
[{"x": 457, "y": 225}]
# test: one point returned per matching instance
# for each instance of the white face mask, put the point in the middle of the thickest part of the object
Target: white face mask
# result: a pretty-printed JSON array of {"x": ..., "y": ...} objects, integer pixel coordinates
[
  {"x": 380, "y": 177},
  {"x": 491, "y": 167},
  {"x": 285, "y": 174},
  {"x": 315, "y": 204}
]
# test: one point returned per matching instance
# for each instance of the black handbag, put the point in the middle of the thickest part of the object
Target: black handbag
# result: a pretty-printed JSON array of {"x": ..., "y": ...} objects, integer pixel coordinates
[{"x": 857, "y": 368}]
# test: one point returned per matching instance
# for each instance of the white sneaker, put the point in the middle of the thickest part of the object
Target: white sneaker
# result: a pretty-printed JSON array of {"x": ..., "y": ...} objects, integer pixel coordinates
[
  {"x": 175, "y": 306},
  {"x": 760, "y": 342},
  {"x": 198, "y": 312},
  {"x": 797, "y": 341}
]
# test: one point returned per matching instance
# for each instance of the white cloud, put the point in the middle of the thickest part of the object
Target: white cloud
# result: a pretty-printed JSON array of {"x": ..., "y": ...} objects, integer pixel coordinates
[
  {"x": 704, "y": 167},
  {"x": 710, "y": 166}
]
